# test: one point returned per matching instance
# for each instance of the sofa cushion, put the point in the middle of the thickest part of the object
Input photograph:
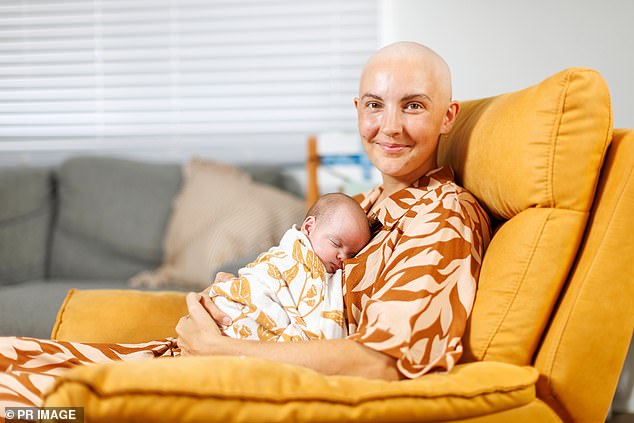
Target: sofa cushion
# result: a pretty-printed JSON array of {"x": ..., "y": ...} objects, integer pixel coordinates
[
  {"x": 112, "y": 216},
  {"x": 225, "y": 389},
  {"x": 220, "y": 214},
  {"x": 533, "y": 158},
  {"x": 26, "y": 196}
]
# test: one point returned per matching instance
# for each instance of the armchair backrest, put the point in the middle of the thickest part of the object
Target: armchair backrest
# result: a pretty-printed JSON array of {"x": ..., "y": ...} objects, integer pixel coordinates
[
  {"x": 582, "y": 352},
  {"x": 533, "y": 158}
]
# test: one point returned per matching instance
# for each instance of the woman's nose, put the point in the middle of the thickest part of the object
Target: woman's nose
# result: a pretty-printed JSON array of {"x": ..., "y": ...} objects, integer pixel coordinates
[{"x": 392, "y": 122}]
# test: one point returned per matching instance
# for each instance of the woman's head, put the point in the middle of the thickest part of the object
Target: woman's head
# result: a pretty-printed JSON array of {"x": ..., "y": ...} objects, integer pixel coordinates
[
  {"x": 404, "y": 105},
  {"x": 337, "y": 228}
]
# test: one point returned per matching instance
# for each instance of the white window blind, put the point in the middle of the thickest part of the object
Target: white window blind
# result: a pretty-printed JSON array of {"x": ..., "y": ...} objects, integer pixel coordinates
[{"x": 169, "y": 74}]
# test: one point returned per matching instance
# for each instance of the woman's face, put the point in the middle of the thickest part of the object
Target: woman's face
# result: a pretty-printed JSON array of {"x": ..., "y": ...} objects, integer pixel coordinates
[{"x": 401, "y": 114}]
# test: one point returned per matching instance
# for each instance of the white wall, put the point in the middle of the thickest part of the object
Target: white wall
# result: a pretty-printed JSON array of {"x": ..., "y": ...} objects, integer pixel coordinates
[{"x": 496, "y": 46}]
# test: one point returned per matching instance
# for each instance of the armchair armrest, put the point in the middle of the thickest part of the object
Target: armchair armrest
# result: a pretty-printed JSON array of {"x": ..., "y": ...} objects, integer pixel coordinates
[
  {"x": 228, "y": 389},
  {"x": 121, "y": 316}
]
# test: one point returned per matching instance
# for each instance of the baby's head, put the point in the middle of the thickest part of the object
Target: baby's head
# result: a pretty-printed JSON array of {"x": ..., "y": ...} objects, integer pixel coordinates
[{"x": 337, "y": 228}]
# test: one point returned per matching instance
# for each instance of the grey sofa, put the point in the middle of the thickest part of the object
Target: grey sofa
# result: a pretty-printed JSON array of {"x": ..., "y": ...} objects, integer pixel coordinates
[{"x": 90, "y": 223}]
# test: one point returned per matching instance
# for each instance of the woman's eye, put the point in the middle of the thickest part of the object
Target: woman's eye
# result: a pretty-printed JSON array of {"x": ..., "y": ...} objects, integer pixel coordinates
[{"x": 414, "y": 106}]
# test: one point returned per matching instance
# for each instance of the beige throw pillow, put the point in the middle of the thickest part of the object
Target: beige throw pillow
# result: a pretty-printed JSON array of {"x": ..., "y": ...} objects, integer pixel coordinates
[{"x": 219, "y": 215}]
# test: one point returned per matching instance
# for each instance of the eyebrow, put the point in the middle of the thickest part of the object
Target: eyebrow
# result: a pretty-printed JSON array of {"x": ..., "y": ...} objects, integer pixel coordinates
[{"x": 407, "y": 97}]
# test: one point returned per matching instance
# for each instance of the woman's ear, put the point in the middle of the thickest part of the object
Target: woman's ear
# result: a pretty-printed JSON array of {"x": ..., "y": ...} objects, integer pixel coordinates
[
  {"x": 308, "y": 225},
  {"x": 450, "y": 117}
]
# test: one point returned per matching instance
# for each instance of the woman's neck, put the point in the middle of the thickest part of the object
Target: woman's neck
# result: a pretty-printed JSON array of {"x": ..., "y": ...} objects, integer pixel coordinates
[
  {"x": 392, "y": 184},
  {"x": 395, "y": 184}
]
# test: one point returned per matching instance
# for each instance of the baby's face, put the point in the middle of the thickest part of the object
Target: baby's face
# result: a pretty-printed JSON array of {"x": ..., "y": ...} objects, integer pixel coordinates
[{"x": 336, "y": 239}]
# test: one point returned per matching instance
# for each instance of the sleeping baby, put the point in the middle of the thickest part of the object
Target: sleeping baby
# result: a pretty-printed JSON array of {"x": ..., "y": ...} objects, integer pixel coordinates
[{"x": 293, "y": 292}]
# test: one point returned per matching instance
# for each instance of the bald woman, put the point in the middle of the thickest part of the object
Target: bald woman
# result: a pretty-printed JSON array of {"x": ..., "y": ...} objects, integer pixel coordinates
[{"x": 409, "y": 292}]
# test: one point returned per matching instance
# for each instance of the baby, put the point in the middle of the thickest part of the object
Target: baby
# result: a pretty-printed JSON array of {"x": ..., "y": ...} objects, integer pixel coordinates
[{"x": 293, "y": 292}]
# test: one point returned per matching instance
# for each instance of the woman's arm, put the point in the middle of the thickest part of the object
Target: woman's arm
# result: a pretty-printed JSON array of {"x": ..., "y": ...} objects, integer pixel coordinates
[{"x": 199, "y": 335}]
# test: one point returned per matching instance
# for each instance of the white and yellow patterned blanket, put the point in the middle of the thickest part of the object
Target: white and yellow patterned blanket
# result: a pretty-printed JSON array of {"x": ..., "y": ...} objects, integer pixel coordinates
[{"x": 284, "y": 295}]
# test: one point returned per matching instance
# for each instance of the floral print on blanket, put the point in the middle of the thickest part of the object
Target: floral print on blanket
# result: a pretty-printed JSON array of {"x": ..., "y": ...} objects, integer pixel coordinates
[{"x": 285, "y": 295}]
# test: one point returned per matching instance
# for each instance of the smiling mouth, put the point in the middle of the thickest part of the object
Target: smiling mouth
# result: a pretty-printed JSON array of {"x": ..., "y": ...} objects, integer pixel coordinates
[{"x": 391, "y": 147}]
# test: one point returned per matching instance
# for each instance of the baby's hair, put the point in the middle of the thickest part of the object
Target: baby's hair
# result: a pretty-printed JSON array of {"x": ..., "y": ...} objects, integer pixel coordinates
[{"x": 327, "y": 203}]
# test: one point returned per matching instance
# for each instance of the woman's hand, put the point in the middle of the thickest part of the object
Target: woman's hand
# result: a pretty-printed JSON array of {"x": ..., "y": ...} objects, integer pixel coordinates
[
  {"x": 197, "y": 333},
  {"x": 218, "y": 315}
]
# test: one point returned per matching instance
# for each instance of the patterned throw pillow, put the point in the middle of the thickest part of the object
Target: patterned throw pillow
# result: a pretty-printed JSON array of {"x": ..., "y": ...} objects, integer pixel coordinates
[{"x": 220, "y": 214}]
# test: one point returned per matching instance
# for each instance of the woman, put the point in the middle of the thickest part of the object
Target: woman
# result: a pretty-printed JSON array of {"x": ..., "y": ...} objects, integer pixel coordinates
[{"x": 407, "y": 294}]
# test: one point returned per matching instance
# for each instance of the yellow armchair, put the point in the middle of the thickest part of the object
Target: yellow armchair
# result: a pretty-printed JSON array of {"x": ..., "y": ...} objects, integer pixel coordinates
[{"x": 552, "y": 320}]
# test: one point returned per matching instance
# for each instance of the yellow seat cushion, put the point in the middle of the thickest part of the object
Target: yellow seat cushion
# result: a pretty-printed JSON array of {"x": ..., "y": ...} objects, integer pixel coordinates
[
  {"x": 532, "y": 158},
  {"x": 123, "y": 316},
  {"x": 232, "y": 389}
]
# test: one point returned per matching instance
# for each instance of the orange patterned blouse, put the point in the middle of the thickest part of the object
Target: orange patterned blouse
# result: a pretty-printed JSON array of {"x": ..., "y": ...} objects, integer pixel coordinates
[{"x": 409, "y": 292}]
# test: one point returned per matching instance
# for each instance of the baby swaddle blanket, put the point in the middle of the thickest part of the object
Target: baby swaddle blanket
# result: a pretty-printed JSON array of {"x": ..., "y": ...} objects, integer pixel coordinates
[{"x": 284, "y": 295}]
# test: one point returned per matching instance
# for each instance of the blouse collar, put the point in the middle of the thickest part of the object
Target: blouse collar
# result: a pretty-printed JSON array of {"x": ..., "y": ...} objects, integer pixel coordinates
[{"x": 394, "y": 207}]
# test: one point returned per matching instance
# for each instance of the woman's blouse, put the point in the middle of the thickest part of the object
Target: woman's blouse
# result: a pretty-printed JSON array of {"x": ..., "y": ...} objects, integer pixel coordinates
[{"x": 409, "y": 292}]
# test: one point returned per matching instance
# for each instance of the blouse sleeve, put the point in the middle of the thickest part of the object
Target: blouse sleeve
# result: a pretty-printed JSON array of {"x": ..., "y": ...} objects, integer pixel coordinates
[{"x": 424, "y": 292}]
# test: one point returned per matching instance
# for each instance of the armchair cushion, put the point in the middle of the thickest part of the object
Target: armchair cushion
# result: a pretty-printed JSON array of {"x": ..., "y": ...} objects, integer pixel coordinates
[
  {"x": 124, "y": 316},
  {"x": 246, "y": 389},
  {"x": 226, "y": 389},
  {"x": 533, "y": 158},
  {"x": 538, "y": 147}
]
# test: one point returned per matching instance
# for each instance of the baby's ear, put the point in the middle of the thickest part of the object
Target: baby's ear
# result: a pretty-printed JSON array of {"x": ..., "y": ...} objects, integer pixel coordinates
[{"x": 308, "y": 225}]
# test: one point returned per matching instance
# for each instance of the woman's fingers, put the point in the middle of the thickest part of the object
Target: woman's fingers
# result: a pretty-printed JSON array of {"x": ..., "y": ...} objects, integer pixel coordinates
[
  {"x": 218, "y": 315},
  {"x": 196, "y": 311},
  {"x": 197, "y": 332},
  {"x": 181, "y": 331},
  {"x": 205, "y": 292},
  {"x": 212, "y": 309}
]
